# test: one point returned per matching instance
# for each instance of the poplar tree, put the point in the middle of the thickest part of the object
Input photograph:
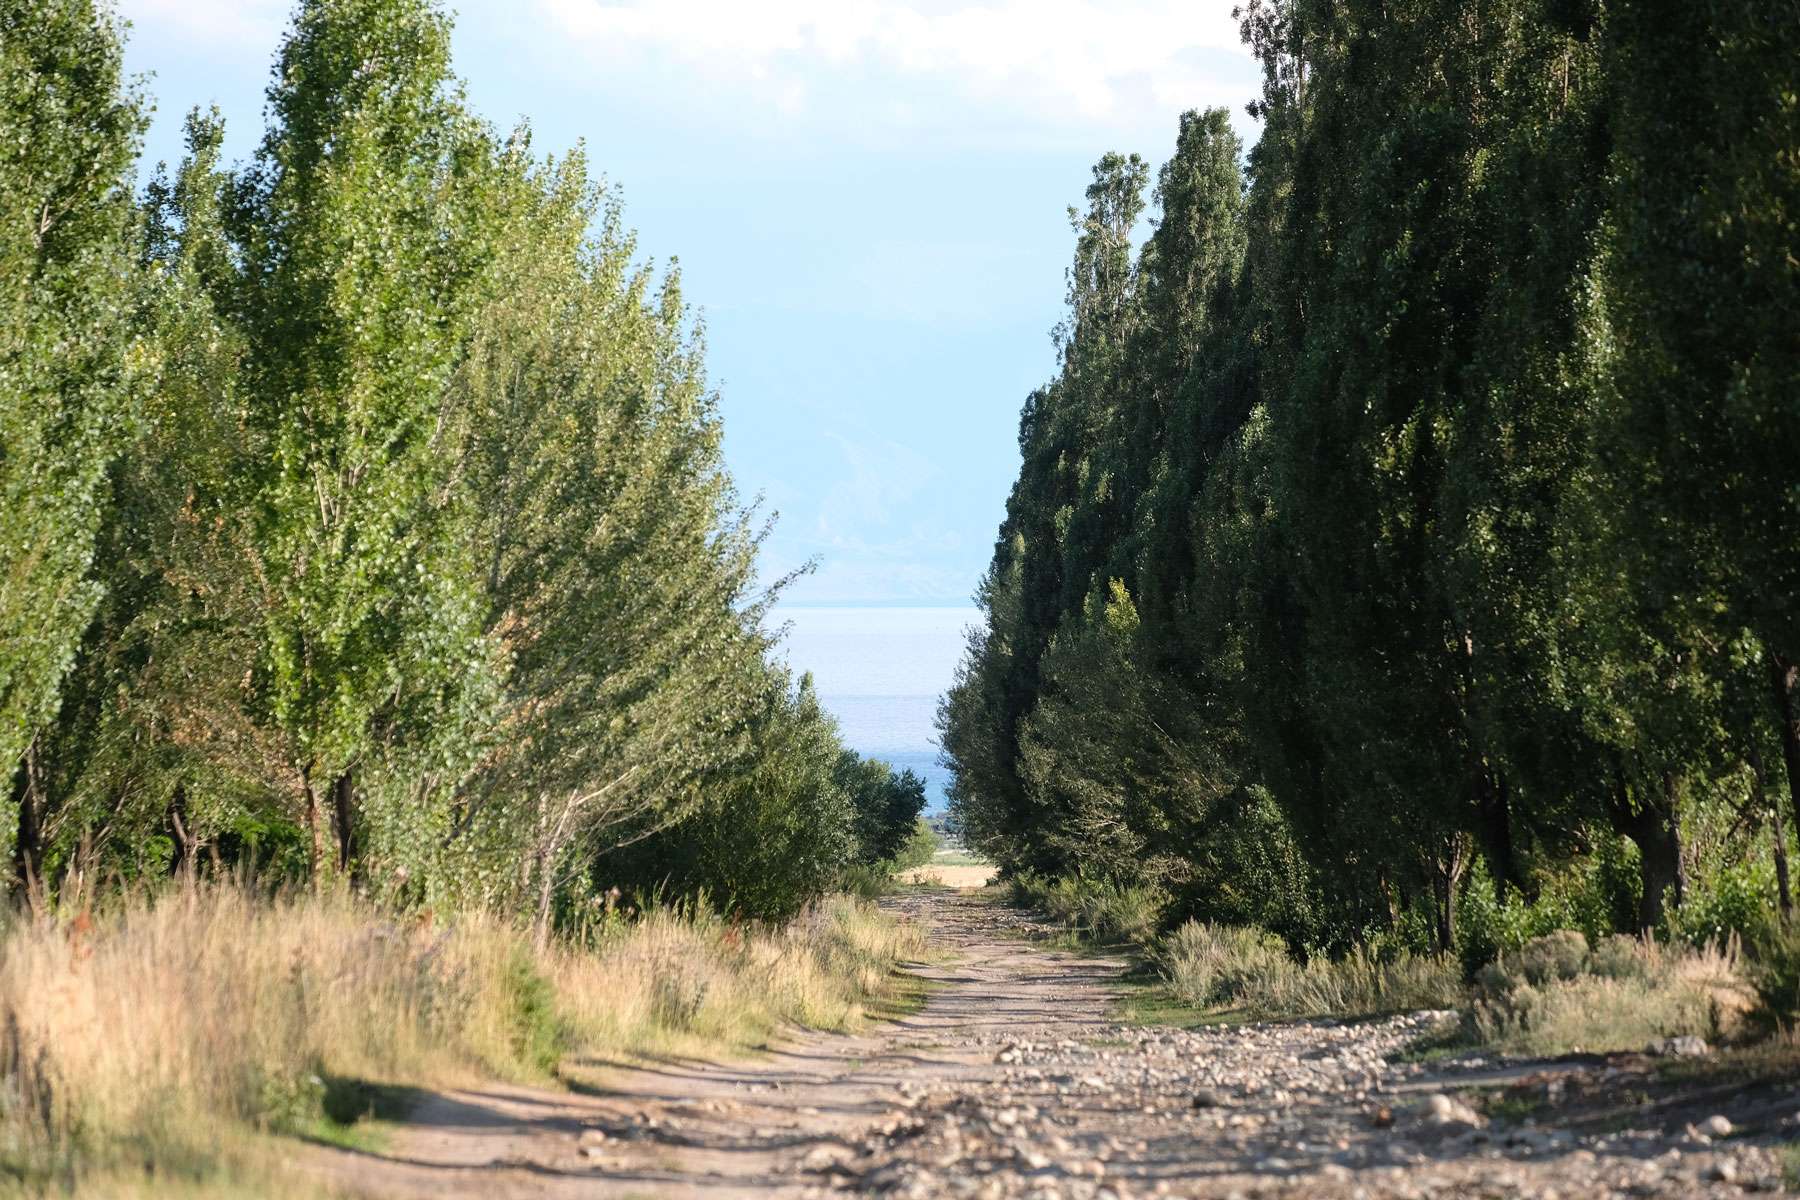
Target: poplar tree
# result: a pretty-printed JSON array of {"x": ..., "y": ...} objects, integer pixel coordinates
[
  {"x": 65, "y": 351},
  {"x": 612, "y": 563},
  {"x": 366, "y": 232}
]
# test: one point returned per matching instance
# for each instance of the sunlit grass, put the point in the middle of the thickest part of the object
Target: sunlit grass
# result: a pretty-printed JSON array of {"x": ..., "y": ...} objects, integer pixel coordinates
[{"x": 185, "y": 1029}]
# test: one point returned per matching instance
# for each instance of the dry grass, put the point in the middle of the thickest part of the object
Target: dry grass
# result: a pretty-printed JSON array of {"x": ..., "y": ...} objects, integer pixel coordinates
[
  {"x": 668, "y": 984},
  {"x": 161, "y": 1029},
  {"x": 949, "y": 876},
  {"x": 1555, "y": 997},
  {"x": 1248, "y": 970},
  {"x": 1096, "y": 910}
]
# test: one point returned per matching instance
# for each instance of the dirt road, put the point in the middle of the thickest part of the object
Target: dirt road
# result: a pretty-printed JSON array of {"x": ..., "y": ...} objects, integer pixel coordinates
[{"x": 1016, "y": 1080}]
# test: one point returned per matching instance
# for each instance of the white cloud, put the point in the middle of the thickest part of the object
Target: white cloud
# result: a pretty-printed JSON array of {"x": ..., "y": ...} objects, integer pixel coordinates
[{"x": 1093, "y": 61}]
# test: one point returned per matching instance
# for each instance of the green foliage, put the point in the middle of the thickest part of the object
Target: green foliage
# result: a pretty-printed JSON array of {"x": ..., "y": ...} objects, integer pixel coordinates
[
  {"x": 865, "y": 882},
  {"x": 1775, "y": 971},
  {"x": 767, "y": 840},
  {"x": 540, "y": 1036},
  {"x": 920, "y": 847},
  {"x": 68, "y": 355},
  {"x": 363, "y": 513},
  {"x": 1104, "y": 910},
  {"x": 1248, "y": 969},
  {"x": 1403, "y": 553},
  {"x": 1209, "y": 965},
  {"x": 887, "y": 807},
  {"x": 1554, "y": 996}
]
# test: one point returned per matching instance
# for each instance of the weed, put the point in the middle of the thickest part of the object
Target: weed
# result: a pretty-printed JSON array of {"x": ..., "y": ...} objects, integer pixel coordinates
[
  {"x": 1553, "y": 997},
  {"x": 173, "y": 1030},
  {"x": 1790, "y": 1166},
  {"x": 1510, "y": 1108},
  {"x": 1096, "y": 910},
  {"x": 1243, "y": 968},
  {"x": 868, "y": 883}
]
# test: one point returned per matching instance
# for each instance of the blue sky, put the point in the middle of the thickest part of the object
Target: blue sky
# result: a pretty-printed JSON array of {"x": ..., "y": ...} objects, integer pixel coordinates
[{"x": 868, "y": 201}]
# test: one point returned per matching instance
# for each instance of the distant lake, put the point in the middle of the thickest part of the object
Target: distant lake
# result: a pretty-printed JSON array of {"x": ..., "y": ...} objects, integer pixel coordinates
[
  {"x": 880, "y": 671},
  {"x": 898, "y": 729}
]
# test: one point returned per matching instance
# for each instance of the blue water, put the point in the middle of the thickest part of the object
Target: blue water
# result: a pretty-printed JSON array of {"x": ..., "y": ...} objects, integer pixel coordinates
[{"x": 899, "y": 729}]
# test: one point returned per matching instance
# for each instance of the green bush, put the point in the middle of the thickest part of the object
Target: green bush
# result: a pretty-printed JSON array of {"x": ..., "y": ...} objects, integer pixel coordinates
[
  {"x": 1731, "y": 898},
  {"x": 1104, "y": 911},
  {"x": 1544, "y": 999},
  {"x": 920, "y": 847},
  {"x": 1244, "y": 967},
  {"x": 1210, "y": 965},
  {"x": 1774, "y": 971},
  {"x": 1596, "y": 896},
  {"x": 767, "y": 841},
  {"x": 1541, "y": 960},
  {"x": 865, "y": 882},
  {"x": 886, "y": 804},
  {"x": 539, "y": 1035}
]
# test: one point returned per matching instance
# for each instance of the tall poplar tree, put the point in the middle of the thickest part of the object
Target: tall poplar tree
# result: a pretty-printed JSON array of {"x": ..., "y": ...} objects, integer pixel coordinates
[
  {"x": 366, "y": 229},
  {"x": 65, "y": 392}
]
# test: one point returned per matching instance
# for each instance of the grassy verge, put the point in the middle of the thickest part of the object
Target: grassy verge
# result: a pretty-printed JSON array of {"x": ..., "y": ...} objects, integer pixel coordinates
[
  {"x": 1247, "y": 971},
  {"x": 168, "y": 1038},
  {"x": 1093, "y": 912},
  {"x": 1555, "y": 995}
]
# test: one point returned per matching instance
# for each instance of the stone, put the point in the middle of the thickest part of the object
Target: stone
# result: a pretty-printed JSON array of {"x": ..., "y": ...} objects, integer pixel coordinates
[
  {"x": 1678, "y": 1047},
  {"x": 823, "y": 1159},
  {"x": 1207, "y": 1098},
  {"x": 1720, "y": 1172},
  {"x": 1716, "y": 1126},
  {"x": 1445, "y": 1117}
]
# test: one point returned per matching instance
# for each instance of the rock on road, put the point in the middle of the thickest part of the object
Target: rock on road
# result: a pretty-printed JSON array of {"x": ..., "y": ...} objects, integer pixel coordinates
[{"x": 1015, "y": 1080}]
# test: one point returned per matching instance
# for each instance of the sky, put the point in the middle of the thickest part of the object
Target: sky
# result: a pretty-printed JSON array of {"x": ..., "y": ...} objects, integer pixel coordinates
[{"x": 868, "y": 200}]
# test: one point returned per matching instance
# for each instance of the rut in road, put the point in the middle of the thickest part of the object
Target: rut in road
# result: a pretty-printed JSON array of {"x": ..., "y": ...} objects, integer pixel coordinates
[{"x": 1015, "y": 1080}]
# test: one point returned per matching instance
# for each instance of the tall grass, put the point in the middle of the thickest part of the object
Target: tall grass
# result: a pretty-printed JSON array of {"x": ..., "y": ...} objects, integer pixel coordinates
[
  {"x": 1247, "y": 969},
  {"x": 150, "y": 1029},
  {"x": 1554, "y": 995},
  {"x": 1105, "y": 912}
]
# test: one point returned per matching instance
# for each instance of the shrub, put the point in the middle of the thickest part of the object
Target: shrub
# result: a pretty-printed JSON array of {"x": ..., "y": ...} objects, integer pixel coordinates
[
  {"x": 1775, "y": 972},
  {"x": 1595, "y": 896},
  {"x": 1733, "y": 898},
  {"x": 1104, "y": 911},
  {"x": 1242, "y": 967},
  {"x": 1553, "y": 956},
  {"x": 157, "y": 1029},
  {"x": 1208, "y": 965},
  {"x": 919, "y": 848},
  {"x": 866, "y": 882},
  {"x": 1620, "y": 997}
]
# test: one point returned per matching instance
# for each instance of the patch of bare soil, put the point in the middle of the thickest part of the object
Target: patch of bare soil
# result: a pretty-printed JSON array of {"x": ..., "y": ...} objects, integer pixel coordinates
[
  {"x": 1015, "y": 1081},
  {"x": 944, "y": 876}
]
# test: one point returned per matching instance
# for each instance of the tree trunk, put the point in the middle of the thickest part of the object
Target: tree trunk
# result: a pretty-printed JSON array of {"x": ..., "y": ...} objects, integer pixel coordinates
[
  {"x": 1447, "y": 872},
  {"x": 343, "y": 805},
  {"x": 1493, "y": 805},
  {"x": 315, "y": 835},
  {"x": 28, "y": 850},
  {"x": 550, "y": 844},
  {"x": 1656, "y": 828},
  {"x": 1784, "y": 677},
  {"x": 185, "y": 859},
  {"x": 1777, "y": 832}
]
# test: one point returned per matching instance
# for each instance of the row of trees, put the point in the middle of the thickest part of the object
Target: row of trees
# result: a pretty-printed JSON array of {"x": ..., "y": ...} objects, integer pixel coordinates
[
  {"x": 363, "y": 509},
  {"x": 1419, "y": 508}
]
